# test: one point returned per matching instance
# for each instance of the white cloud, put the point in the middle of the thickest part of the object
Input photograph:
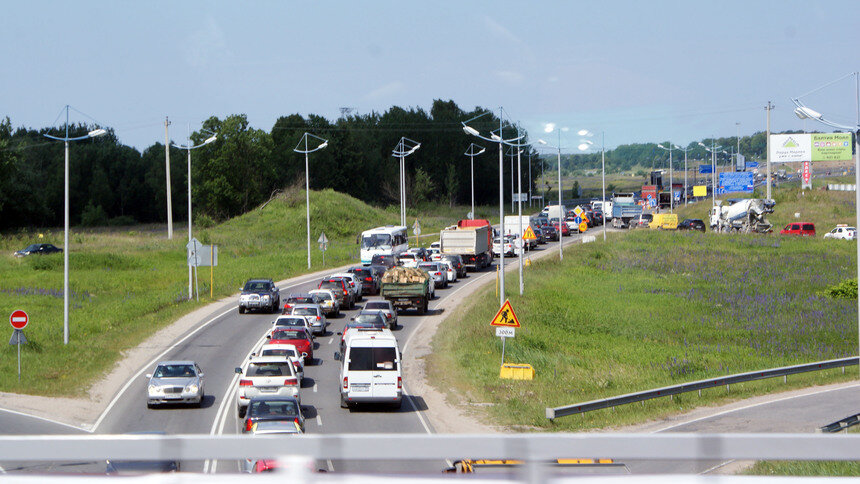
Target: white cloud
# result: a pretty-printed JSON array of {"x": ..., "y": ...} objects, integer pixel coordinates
[
  {"x": 500, "y": 30},
  {"x": 386, "y": 91},
  {"x": 510, "y": 77}
]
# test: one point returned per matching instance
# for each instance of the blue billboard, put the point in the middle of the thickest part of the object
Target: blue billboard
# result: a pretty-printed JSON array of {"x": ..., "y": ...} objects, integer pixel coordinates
[
  {"x": 734, "y": 182},
  {"x": 705, "y": 169}
]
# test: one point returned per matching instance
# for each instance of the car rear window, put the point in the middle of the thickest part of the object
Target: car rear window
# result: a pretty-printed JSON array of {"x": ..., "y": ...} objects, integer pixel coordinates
[
  {"x": 269, "y": 369},
  {"x": 288, "y": 335},
  {"x": 372, "y": 359},
  {"x": 305, "y": 311},
  {"x": 808, "y": 227},
  {"x": 376, "y": 305},
  {"x": 278, "y": 352},
  {"x": 263, "y": 408}
]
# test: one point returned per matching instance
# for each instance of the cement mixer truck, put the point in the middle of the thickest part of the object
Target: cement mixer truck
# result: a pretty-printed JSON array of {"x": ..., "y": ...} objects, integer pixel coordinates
[{"x": 742, "y": 215}]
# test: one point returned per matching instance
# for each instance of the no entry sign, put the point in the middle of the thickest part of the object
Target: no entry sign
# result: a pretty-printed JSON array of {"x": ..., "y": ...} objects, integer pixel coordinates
[{"x": 19, "y": 319}]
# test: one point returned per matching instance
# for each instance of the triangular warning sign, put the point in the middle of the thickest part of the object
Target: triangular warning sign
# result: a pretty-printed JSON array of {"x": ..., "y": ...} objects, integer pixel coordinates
[
  {"x": 529, "y": 234},
  {"x": 506, "y": 316}
]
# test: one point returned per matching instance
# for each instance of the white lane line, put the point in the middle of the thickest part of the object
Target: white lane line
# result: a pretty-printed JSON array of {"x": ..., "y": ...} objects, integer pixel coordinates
[
  {"x": 724, "y": 412},
  {"x": 706, "y": 471},
  {"x": 45, "y": 419},
  {"x": 152, "y": 362},
  {"x": 315, "y": 387},
  {"x": 319, "y": 420},
  {"x": 330, "y": 340},
  {"x": 330, "y": 465},
  {"x": 2, "y": 470}
]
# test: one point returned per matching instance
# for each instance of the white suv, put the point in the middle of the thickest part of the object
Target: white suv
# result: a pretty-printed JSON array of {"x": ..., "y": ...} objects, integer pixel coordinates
[
  {"x": 266, "y": 376},
  {"x": 842, "y": 231}
]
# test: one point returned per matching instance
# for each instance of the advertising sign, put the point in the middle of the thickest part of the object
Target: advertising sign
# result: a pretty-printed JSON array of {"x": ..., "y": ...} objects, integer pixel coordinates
[
  {"x": 736, "y": 182},
  {"x": 700, "y": 191},
  {"x": 806, "y": 176},
  {"x": 786, "y": 148}
]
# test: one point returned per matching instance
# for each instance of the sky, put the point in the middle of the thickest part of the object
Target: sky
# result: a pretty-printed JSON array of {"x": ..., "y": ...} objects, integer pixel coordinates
[{"x": 637, "y": 71}]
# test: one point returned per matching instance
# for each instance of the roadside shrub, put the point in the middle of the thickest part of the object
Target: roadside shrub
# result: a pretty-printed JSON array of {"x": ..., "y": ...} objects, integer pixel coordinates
[
  {"x": 121, "y": 221},
  {"x": 203, "y": 221},
  {"x": 93, "y": 216},
  {"x": 844, "y": 290}
]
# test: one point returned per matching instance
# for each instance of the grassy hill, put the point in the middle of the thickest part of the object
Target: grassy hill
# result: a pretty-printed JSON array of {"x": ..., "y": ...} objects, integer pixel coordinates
[
  {"x": 655, "y": 308},
  {"x": 126, "y": 284}
]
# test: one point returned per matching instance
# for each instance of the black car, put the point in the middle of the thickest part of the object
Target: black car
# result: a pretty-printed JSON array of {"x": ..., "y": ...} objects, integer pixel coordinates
[
  {"x": 378, "y": 270},
  {"x": 260, "y": 294},
  {"x": 369, "y": 281},
  {"x": 551, "y": 232},
  {"x": 457, "y": 262},
  {"x": 388, "y": 261},
  {"x": 37, "y": 249},
  {"x": 598, "y": 217},
  {"x": 692, "y": 224},
  {"x": 541, "y": 238},
  {"x": 262, "y": 409}
]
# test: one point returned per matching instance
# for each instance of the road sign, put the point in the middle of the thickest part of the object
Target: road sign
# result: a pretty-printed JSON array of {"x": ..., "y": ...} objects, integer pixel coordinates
[
  {"x": 705, "y": 169},
  {"x": 207, "y": 255},
  {"x": 416, "y": 228},
  {"x": 323, "y": 241},
  {"x": 193, "y": 247},
  {"x": 578, "y": 211},
  {"x": 529, "y": 234},
  {"x": 19, "y": 319},
  {"x": 18, "y": 338},
  {"x": 752, "y": 164},
  {"x": 731, "y": 182},
  {"x": 652, "y": 202},
  {"x": 583, "y": 227},
  {"x": 700, "y": 191},
  {"x": 649, "y": 196},
  {"x": 506, "y": 331},
  {"x": 506, "y": 316},
  {"x": 577, "y": 220}
]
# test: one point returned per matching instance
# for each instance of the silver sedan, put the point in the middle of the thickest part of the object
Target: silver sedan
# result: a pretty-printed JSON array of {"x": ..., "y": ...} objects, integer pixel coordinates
[{"x": 175, "y": 382}]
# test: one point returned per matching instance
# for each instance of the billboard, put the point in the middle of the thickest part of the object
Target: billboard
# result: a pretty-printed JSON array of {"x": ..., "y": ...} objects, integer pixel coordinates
[
  {"x": 736, "y": 182},
  {"x": 787, "y": 148},
  {"x": 700, "y": 191},
  {"x": 705, "y": 169}
]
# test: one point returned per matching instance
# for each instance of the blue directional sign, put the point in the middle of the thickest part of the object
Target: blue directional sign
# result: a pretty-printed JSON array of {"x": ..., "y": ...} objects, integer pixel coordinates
[
  {"x": 652, "y": 201},
  {"x": 705, "y": 169},
  {"x": 736, "y": 182},
  {"x": 677, "y": 195},
  {"x": 752, "y": 164},
  {"x": 577, "y": 220}
]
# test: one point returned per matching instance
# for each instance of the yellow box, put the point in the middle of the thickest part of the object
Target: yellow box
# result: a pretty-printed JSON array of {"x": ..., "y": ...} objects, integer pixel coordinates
[{"x": 517, "y": 371}]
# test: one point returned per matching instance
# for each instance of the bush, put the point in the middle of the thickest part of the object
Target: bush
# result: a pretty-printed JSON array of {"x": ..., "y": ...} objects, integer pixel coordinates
[
  {"x": 93, "y": 216},
  {"x": 843, "y": 290},
  {"x": 203, "y": 221},
  {"x": 121, "y": 220}
]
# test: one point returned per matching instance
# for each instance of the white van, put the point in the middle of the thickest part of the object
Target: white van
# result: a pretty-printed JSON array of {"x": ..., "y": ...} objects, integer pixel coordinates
[{"x": 371, "y": 369}]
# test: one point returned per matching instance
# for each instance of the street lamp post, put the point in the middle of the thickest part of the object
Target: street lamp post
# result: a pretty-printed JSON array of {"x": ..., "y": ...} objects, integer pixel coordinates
[
  {"x": 804, "y": 112},
  {"x": 584, "y": 145},
  {"x": 65, "y": 139},
  {"x": 671, "y": 179},
  {"x": 307, "y": 181},
  {"x": 685, "y": 150},
  {"x": 404, "y": 148},
  {"x": 471, "y": 153},
  {"x": 549, "y": 129},
  {"x": 497, "y": 138},
  {"x": 188, "y": 147},
  {"x": 713, "y": 150}
]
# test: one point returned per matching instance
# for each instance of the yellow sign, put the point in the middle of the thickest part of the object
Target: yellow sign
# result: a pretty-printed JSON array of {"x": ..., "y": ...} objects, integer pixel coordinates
[
  {"x": 529, "y": 234},
  {"x": 700, "y": 191},
  {"x": 514, "y": 371},
  {"x": 583, "y": 227},
  {"x": 506, "y": 316},
  {"x": 578, "y": 211}
]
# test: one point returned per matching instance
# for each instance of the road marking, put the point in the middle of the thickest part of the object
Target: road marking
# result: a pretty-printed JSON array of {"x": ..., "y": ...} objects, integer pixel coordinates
[
  {"x": 330, "y": 340},
  {"x": 717, "y": 466},
  {"x": 15, "y": 412},
  {"x": 330, "y": 465},
  {"x": 3, "y": 471},
  {"x": 724, "y": 412},
  {"x": 319, "y": 420},
  {"x": 315, "y": 386}
]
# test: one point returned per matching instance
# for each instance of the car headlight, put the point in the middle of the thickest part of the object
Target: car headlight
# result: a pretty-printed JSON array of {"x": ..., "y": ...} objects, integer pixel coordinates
[
  {"x": 191, "y": 388},
  {"x": 154, "y": 389},
  {"x": 265, "y": 297}
]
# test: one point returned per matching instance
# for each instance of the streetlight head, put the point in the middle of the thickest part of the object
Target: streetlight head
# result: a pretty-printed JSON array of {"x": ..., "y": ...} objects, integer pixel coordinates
[
  {"x": 678, "y": 147},
  {"x": 661, "y": 146},
  {"x": 804, "y": 113},
  {"x": 549, "y": 127},
  {"x": 470, "y": 130},
  {"x": 702, "y": 144},
  {"x": 325, "y": 144},
  {"x": 495, "y": 137},
  {"x": 584, "y": 132},
  {"x": 210, "y": 139},
  {"x": 584, "y": 146},
  {"x": 482, "y": 150},
  {"x": 541, "y": 141},
  {"x": 96, "y": 132}
]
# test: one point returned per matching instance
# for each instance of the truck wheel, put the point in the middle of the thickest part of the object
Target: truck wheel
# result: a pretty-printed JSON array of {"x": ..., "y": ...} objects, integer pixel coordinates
[
  {"x": 241, "y": 310},
  {"x": 422, "y": 308}
]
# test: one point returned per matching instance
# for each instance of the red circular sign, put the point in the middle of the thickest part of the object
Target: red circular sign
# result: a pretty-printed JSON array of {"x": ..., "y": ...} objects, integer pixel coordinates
[{"x": 19, "y": 319}]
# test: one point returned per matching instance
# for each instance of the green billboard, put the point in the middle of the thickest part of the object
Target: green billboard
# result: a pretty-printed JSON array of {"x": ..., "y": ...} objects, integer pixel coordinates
[{"x": 831, "y": 146}]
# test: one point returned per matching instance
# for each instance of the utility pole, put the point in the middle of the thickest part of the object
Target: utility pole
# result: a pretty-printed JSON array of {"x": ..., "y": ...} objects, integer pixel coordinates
[
  {"x": 769, "y": 108},
  {"x": 167, "y": 170}
]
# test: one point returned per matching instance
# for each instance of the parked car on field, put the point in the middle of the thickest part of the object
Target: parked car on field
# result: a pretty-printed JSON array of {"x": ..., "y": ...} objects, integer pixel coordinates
[
  {"x": 37, "y": 249},
  {"x": 842, "y": 231},
  {"x": 805, "y": 229},
  {"x": 260, "y": 294},
  {"x": 368, "y": 278},
  {"x": 692, "y": 224},
  {"x": 266, "y": 376},
  {"x": 175, "y": 382},
  {"x": 273, "y": 408}
]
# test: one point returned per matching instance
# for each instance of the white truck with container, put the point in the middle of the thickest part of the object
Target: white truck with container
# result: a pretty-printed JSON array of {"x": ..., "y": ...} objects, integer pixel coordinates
[
  {"x": 552, "y": 211},
  {"x": 470, "y": 242},
  {"x": 513, "y": 227},
  {"x": 742, "y": 215}
]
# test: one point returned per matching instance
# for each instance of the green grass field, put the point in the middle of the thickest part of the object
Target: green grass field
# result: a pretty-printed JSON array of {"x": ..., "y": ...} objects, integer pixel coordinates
[
  {"x": 650, "y": 309},
  {"x": 127, "y": 284}
]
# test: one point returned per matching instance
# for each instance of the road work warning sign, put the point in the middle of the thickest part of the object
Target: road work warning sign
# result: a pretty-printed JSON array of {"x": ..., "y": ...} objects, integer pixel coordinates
[
  {"x": 506, "y": 316},
  {"x": 529, "y": 234}
]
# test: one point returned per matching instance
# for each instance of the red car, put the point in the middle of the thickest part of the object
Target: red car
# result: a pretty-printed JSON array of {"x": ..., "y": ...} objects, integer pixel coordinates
[
  {"x": 298, "y": 337},
  {"x": 564, "y": 230},
  {"x": 806, "y": 229}
]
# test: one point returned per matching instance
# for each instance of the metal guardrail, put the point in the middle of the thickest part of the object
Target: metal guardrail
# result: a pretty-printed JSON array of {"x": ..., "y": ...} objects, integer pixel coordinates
[
  {"x": 527, "y": 447},
  {"x": 553, "y": 413},
  {"x": 841, "y": 425}
]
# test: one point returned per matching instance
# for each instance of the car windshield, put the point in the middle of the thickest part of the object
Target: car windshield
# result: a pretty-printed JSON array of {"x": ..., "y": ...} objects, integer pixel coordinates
[
  {"x": 374, "y": 241},
  {"x": 256, "y": 286},
  {"x": 376, "y": 305},
  {"x": 31, "y": 247},
  {"x": 273, "y": 368},
  {"x": 287, "y": 334},
  {"x": 372, "y": 359},
  {"x": 286, "y": 408},
  {"x": 174, "y": 371}
]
